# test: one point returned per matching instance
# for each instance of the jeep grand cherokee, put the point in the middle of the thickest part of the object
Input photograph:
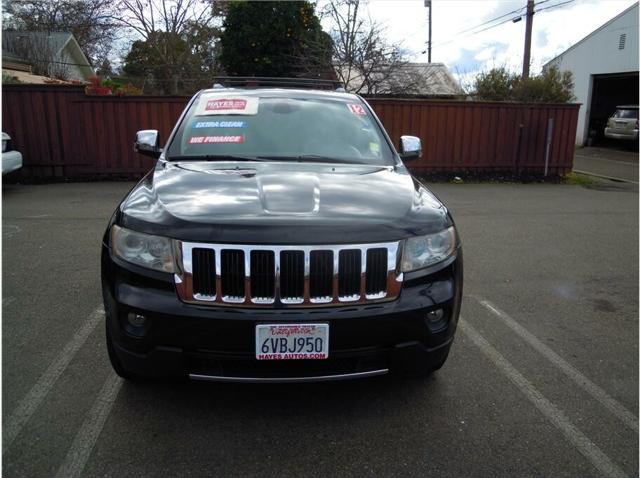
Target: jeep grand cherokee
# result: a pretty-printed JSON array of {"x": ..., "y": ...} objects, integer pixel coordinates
[{"x": 279, "y": 237}]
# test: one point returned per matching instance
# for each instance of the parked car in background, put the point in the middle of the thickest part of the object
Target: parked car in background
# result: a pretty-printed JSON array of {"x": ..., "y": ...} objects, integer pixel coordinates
[
  {"x": 623, "y": 124},
  {"x": 279, "y": 238},
  {"x": 11, "y": 159}
]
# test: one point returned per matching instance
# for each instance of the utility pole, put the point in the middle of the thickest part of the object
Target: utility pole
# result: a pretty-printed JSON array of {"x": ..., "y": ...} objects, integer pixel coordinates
[
  {"x": 527, "y": 39},
  {"x": 427, "y": 3}
]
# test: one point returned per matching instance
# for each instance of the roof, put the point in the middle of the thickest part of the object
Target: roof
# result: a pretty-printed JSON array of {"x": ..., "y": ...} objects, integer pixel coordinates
[
  {"x": 411, "y": 79},
  {"x": 58, "y": 42},
  {"x": 602, "y": 27}
]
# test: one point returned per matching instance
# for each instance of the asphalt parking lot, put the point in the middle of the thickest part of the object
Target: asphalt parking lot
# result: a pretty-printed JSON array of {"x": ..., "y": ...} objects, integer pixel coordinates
[{"x": 542, "y": 379}]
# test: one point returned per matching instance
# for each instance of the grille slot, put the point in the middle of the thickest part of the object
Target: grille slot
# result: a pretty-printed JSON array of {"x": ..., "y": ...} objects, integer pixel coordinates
[
  {"x": 321, "y": 275},
  {"x": 349, "y": 273},
  {"x": 232, "y": 274},
  {"x": 376, "y": 272},
  {"x": 204, "y": 272},
  {"x": 263, "y": 275},
  {"x": 292, "y": 276}
]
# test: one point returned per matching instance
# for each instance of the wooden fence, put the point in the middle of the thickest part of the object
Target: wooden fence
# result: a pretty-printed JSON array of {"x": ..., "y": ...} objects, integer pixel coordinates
[{"x": 63, "y": 133}]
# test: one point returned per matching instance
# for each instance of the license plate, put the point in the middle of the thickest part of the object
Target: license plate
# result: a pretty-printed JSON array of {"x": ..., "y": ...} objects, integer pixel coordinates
[{"x": 292, "y": 341}]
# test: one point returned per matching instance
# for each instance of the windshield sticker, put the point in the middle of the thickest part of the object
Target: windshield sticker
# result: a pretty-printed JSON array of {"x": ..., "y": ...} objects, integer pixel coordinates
[
  {"x": 374, "y": 147},
  {"x": 357, "y": 109},
  {"x": 238, "y": 105},
  {"x": 219, "y": 124},
  {"x": 216, "y": 139}
]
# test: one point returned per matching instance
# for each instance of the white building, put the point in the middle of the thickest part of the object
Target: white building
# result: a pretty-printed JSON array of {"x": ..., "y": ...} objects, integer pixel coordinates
[{"x": 605, "y": 71}]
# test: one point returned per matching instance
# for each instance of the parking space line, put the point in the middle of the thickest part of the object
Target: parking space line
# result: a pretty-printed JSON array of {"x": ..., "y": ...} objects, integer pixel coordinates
[
  {"x": 582, "y": 443},
  {"x": 610, "y": 403},
  {"x": 87, "y": 436},
  {"x": 32, "y": 400}
]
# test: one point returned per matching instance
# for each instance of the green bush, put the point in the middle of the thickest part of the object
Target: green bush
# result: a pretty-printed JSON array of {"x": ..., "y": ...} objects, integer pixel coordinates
[{"x": 550, "y": 86}]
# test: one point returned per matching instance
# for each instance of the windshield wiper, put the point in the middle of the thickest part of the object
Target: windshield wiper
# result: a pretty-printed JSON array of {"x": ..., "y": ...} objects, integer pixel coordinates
[
  {"x": 216, "y": 157},
  {"x": 311, "y": 158}
]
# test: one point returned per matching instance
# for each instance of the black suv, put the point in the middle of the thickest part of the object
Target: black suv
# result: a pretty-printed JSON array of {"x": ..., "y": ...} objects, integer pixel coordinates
[{"x": 279, "y": 238}]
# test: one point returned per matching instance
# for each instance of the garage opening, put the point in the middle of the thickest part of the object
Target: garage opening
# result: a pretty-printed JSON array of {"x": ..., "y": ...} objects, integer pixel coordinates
[{"x": 609, "y": 91}]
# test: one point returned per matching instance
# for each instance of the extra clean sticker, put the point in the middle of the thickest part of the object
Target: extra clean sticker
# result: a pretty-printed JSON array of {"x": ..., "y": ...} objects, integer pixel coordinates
[
  {"x": 216, "y": 139},
  {"x": 357, "y": 109},
  {"x": 219, "y": 124},
  {"x": 230, "y": 105}
]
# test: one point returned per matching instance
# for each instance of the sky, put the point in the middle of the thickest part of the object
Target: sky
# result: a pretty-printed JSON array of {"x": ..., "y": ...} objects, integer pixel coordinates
[{"x": 554, "y": 30}]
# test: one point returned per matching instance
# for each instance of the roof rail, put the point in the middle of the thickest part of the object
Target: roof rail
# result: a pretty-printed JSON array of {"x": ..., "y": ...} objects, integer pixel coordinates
[{"x": 277, "y": 82}]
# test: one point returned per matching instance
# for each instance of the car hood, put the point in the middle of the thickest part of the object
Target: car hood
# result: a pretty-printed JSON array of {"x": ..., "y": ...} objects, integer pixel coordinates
[{"x": 281, "y": 203}]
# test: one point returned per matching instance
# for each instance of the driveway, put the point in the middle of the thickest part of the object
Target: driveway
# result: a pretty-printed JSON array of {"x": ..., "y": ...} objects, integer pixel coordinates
[
  {"x": 542, "y": 379},
  {"x": 607, "y": 162}
]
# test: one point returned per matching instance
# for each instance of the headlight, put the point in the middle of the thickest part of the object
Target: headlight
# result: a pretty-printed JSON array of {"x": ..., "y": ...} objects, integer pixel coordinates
[
  {"x": 424, "y": 251},
  {"x": 153, "y": 252}
]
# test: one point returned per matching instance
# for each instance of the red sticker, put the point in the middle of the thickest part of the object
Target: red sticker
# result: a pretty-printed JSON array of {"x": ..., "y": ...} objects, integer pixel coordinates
[
  {"x": 357, "y": 109},
  {"x": 225, "y": 104},
  {"x": 216, "y": 139}
]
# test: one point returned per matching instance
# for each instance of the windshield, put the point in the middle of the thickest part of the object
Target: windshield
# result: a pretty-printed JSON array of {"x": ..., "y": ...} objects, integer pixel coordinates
[
  {"x": 274, "y": 128},
  {"x": 627, "y": 114}
]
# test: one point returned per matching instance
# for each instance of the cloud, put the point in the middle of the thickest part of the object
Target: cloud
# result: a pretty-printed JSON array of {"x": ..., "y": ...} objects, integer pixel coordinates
[{"x": 553, "y": 30}]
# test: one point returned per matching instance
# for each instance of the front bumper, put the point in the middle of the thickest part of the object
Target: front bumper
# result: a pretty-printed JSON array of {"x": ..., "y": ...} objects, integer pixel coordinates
[{"x": 217, "y": 343}]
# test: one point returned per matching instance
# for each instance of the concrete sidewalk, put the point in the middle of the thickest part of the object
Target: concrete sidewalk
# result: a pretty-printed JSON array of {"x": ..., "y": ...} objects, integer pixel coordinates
[{"x": 607, "y": 162}]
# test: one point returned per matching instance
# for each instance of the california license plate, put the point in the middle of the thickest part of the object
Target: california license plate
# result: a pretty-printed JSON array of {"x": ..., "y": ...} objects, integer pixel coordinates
[{"x": 292, "y": 341}]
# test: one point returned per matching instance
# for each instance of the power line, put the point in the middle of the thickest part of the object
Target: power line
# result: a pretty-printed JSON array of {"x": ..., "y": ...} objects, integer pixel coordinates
[
  {"x": 479, "y": 31},
  {"x": 554, "y": 6},
  {"x": 483, "y": 24},
  {"x": 507, "y": 20}
]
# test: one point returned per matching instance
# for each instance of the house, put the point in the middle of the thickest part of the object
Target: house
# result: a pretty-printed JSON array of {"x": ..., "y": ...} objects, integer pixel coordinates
[
  {"x": 415, "y": 80},
  {"x": 34, "y": 57},
  {"x": 605, "y": 72}
]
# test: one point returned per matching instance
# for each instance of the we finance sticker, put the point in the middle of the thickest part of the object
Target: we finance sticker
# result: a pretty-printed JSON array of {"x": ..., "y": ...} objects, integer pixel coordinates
[
  {"x": 216, "y": 139},
  {"x": 231, "y": 105}
]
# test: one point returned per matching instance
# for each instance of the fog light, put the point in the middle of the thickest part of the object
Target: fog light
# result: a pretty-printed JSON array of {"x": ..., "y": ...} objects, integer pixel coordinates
[
  {"x": 136, "y": 320},
  {"x": 434, "y": 316}
]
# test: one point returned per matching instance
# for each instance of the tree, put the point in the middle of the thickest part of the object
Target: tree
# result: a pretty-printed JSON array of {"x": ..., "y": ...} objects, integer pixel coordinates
[
  {"x": 363, "y": 59},
  {"x": 550, "y": 86},
  {"x": 176, "y": 52},
  {"x": 274, "y": 39},
  {"x": 90, "y": 21},
  {"x": 167, "y": 64}
]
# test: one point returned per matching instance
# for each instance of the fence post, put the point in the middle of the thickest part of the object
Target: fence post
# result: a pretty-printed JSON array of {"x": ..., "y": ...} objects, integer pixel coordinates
[{"x": 550, "y": 122}]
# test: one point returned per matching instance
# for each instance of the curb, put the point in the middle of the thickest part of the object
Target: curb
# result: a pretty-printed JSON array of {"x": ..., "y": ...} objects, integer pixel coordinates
[{"x": 611, "y": 178}]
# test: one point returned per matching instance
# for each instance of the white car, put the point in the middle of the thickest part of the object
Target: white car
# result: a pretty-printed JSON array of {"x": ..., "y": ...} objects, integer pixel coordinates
[
  {"x": 623, "y": 124},
  {"x": 11, "y": 160}
]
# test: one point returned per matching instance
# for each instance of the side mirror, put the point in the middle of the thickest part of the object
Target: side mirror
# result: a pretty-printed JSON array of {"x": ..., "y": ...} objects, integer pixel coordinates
[
  {"x": 148, "y": 143},
  {"x": 410, "y": 147}
]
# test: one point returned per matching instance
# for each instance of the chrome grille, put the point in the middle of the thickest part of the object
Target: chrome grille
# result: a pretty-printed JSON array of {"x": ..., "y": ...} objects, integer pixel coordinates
[{"x": 304, "y": 276}]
